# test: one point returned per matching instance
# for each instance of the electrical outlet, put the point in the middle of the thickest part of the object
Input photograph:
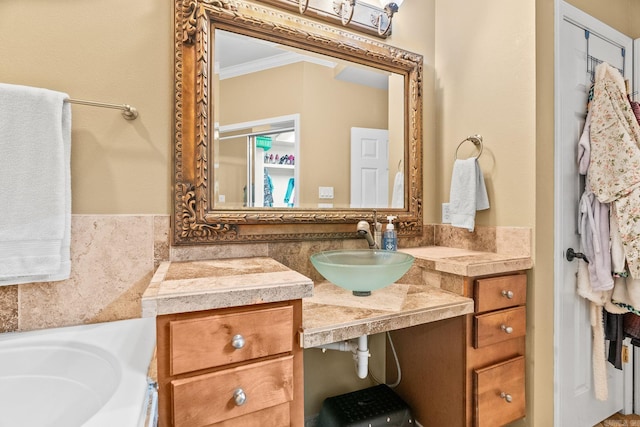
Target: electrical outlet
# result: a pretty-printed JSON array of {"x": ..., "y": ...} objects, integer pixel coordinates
[{"x": 446, "y": 215}]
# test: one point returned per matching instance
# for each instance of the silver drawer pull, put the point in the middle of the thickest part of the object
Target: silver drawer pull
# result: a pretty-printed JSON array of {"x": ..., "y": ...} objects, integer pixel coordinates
[
  {"x": 507, "y": 397},
  {"x": 507, "y": 294},
  {"x": 239, "y": 397},
  {"x": 238, "y": 341},
  {"x": 506, "y": 329}
]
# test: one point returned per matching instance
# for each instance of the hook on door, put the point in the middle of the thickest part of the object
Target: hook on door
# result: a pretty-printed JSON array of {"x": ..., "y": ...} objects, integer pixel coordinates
[{"x": 571, "y": 254}]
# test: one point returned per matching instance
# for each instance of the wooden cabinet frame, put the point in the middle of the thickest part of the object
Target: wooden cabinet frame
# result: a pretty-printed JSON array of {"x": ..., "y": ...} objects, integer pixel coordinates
[
  {"x": 439, "y": 362},
  {"x": 166, "y": 381}
]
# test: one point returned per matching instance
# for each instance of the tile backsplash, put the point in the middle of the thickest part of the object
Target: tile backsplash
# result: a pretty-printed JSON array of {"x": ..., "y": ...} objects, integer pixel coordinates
[
  {"x": 112, "y": 261},
  {"x": 113, "y": 258}
]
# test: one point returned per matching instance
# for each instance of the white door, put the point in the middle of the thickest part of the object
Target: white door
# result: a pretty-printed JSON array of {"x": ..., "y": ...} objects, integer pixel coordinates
[
  {"x": 369, "y": 168},
  {"x": 575, "y": 401}
]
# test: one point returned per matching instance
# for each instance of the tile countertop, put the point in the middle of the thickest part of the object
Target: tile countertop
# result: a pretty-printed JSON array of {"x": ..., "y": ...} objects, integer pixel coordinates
[
  {"x": 465, "y": 262},
  {"x": 330, "y": 313},
  {"x": 180, "y": 287},
  {"x": 334, "y": 314}
]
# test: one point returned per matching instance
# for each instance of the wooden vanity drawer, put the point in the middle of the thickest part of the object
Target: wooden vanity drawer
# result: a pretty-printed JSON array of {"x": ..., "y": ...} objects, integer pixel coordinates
[
  {"x": 277, "y": 416},
  {"x": 495, "y": 293},
  {"x": 210, "y": 398},
  {"x": 208, "y": 342},
  {"x": 499, "y": 392},
  {"x": 498, "y": 326}
]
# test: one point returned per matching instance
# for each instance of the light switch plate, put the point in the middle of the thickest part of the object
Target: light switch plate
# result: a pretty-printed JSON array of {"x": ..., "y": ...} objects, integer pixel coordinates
[{"x": 325, "y": 192}]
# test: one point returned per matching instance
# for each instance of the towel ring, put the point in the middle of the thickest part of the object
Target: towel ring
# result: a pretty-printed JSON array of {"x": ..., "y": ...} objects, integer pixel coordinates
[{"x": 476, "y": 140}]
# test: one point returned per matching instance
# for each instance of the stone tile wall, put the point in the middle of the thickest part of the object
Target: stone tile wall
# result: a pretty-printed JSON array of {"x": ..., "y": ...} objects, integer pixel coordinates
[
  {"x": 114, "y": 257},
  {"x": 112, "y": 260}
]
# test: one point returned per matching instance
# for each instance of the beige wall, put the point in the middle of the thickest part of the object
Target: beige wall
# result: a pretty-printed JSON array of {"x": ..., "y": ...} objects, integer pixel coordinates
[
  {"x": 622, "y": 15},
  {"x": 111, "y": 51},
  {"x": 341, "y": 105},
  {"x": 485, "y": 83},
  {"x": 415, "y": 30},
  {"x": 328, "y": 109},
  {"x": 540, "y": 320}
]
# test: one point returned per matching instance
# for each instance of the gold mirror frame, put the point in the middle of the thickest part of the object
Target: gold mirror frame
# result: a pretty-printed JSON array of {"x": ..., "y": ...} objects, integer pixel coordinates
[{"x": 194, "y": 221}]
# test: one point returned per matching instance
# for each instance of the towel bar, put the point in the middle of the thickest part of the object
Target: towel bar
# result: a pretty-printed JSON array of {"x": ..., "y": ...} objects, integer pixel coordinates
[
  {"x": 128, "y": 112},
  {"x": 476, "y": 140}
]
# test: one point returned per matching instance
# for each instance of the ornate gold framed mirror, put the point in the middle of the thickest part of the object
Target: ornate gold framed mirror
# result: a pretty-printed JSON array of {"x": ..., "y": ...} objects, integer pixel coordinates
[{"x": 276, "y": 117}]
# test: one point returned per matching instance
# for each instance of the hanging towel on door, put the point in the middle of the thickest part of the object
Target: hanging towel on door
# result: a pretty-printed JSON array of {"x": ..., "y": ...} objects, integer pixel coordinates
[
  {"x": 593, "y": 223},
  {"x": 468, "y": 193},
  {"x": 35, "y": 154}
]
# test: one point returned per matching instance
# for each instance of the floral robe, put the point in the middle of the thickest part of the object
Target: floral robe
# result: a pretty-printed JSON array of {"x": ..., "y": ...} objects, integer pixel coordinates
[{"x": 614, "y": 169}]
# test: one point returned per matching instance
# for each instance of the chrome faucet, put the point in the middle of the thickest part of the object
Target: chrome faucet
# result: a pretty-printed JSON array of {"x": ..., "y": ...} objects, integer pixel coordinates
[{"x": 364, "y": 230}]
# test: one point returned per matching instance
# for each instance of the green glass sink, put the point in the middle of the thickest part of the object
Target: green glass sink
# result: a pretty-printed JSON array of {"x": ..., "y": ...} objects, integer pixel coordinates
[{"x": 362, "y": 270}]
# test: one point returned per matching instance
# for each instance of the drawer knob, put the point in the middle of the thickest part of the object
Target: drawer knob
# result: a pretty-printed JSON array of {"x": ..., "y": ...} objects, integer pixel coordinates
[
  {"x": 507, "y": 294},
  {"x": 238, "y": 342},
  {"x": 507, "y": 397},
  {"x": 506, "y": 329},
  {"x": 240, "y": 397}
]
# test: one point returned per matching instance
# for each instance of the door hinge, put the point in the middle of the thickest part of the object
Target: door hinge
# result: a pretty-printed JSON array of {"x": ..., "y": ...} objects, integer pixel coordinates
[{"x": 625, "y": 354}]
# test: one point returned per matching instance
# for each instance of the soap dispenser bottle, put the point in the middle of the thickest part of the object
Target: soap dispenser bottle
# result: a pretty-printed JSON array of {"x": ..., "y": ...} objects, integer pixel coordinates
[{"x": 390, "y": 237}]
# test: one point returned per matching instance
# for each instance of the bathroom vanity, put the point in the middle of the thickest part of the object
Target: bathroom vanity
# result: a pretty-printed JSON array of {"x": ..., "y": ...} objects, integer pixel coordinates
[
  {"x": 227, "y": 342},
  {"x": 231, "y": 333},
  {"x": 468, "y": 371}
]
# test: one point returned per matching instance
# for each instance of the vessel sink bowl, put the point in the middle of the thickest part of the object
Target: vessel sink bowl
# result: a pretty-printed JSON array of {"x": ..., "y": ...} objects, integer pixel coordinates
[{"x": 362, "y": 270}]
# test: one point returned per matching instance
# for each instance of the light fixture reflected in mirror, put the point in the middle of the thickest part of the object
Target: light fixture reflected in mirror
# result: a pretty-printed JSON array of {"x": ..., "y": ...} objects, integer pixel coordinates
[{"x": 390, "y": 8}]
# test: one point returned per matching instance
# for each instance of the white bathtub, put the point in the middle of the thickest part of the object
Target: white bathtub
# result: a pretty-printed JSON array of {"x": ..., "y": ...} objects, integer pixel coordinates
[{"x": 89, "y": 376}]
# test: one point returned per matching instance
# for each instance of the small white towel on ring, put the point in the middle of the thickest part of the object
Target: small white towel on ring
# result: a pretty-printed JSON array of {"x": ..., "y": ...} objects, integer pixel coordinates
[
  {"x": 468, "y": 193},
  {"x": 397, "y": 198},
  {"x": 35, "y": 157}
]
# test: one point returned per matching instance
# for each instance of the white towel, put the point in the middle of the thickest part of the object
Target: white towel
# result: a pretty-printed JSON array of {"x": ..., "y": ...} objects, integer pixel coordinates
[
  {"x": 35, "y": 190},
  {"x": 468, "y": 193},
  {"x": 397, "y": 198}
]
